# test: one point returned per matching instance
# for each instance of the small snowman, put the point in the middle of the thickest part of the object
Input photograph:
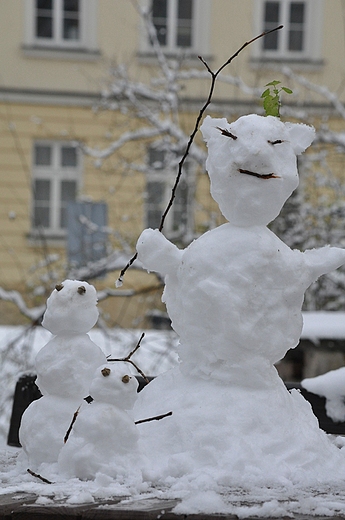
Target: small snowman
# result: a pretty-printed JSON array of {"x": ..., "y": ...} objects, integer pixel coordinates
[
  {"x": 104, "y": 437},
  {"x": 234, "y": 296},
  {"x": 64, "y": 367}
]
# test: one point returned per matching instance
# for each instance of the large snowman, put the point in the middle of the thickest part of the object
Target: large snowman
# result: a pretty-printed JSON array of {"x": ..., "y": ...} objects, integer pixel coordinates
[{"x": 235, "y": 297}]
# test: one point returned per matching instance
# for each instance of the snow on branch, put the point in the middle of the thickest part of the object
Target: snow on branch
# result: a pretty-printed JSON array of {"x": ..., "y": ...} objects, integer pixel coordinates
[
  {"x": 15, "y": 297},
  {"x": 322, "y": 90}
]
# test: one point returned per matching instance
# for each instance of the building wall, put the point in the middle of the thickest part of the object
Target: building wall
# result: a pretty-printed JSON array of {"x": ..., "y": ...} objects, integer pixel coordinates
[{"x": 47, "y": 95}]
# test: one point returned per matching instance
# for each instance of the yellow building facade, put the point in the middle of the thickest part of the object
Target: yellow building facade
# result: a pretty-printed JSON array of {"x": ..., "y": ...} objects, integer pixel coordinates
[{"x": 56, "y": 57}]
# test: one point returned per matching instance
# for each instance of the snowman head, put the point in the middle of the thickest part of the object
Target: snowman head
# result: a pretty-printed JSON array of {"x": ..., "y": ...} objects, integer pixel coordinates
[
  {"x": 72, "y": 307},
  {"x": 252, "y": 165},
  {"x": 115, "y": 384}
]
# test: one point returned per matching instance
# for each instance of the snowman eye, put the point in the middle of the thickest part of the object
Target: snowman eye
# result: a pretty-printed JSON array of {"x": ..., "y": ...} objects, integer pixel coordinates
[
  {"x": 81, "y": 290},
  {"x": 105, "y": 371},
  {"x": 278, "y": 141},
  {"x": 59, "y": 287},
  {"x": 227, "y": 133},
  {"x": 125, "y": 379}
]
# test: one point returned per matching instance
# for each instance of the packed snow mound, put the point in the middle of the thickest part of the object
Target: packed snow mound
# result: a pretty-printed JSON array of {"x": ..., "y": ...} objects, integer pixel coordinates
[
  {"x": 104, "y": 437},
  {"x": 43, "y": 427},
  {"x": 66, "y": 364},
  {"x": 71, "y": 307},
  {"x": 233, "y": 433},
  {"x": 331, "y": 386},
  {"x": 234, "y": 296}
]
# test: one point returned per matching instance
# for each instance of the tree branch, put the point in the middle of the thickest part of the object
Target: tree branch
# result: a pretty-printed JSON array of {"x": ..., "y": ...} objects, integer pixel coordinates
[{"x": 214, "y": 76}]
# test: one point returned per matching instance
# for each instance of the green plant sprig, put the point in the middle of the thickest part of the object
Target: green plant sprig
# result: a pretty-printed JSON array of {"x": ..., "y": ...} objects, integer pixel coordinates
[{"x": 271, "y": 98}]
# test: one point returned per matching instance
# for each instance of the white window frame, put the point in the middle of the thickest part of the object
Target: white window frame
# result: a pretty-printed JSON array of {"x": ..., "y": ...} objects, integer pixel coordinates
[
  {"x": 167, "y": 177},
  {"x": 313, "y": 29},
  {"x": 200, "y": 30},
  {"x": 56, "y": 174},
  {"x": 87, "y": 30}
]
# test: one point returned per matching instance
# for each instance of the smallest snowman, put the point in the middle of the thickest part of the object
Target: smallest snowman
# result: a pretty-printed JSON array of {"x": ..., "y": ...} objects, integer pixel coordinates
[{"x": 104, "y": 437}]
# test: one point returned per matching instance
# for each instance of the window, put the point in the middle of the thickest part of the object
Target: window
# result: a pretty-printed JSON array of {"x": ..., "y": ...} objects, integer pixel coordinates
[
  {"x": 56, "y": 179},
  {"x": 180, "y": 25},
  {"x": 299, "y": 39},
  {"x": 60, "y": 24},
  {"x": 160, "y": 181},
  {"x": 173, "y": 22}
]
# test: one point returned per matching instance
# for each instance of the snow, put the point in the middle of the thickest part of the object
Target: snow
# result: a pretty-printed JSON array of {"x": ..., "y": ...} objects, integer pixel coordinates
[
  {"x": 323, "y": 325},
  {"x": 237, "y": 441},
  {"x": 331, "y": 386}
]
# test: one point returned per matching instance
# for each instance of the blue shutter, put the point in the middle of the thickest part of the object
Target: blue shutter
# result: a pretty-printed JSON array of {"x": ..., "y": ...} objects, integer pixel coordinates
[{"x": 85, "y": 244}]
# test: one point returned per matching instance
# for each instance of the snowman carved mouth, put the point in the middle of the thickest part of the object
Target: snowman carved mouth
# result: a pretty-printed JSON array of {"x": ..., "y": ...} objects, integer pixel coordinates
[{"x": 264, "y": 176}]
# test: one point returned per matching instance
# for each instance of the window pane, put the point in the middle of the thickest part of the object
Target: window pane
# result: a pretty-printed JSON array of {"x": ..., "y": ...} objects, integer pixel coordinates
[
  {"x": 296, "y": 12},
  {"x": 44, "y": 4},
  {"x": 68, "y": 193},
  {"x": 69, "y": 156},
  {"x": 44, "y": 18},
  {"x": 42, "y": 155},
  {"x": 272, "y": 12},
  {"x": 41, "y": 217},
  {"x": 42, "y": 190},
  {"x": 296, "y": 28},
  {"x": 159, "y": 19},
  {"x": 70, "y": 20},
  {"x": 41, "y": 195},
  {"x": 44, "y": 27},
  {"x": 271, "y": 20},
  {"x": 184, "y": 23},
  {"x": 70, "y": 29},
  {"x": 71, "y": 5}
]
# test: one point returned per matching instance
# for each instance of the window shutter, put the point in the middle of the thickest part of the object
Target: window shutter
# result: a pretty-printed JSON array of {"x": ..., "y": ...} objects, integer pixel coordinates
[{"x": 86, "y": 240}]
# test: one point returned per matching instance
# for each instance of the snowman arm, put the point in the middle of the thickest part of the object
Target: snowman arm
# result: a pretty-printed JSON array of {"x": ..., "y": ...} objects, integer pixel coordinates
[
  {"x": 157, "y": 253},
  {"x": 324, "y": 260}
]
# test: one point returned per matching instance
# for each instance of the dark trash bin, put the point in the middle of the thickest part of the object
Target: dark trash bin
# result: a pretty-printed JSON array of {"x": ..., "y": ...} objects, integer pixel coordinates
[{"x": 25, "y": 392}]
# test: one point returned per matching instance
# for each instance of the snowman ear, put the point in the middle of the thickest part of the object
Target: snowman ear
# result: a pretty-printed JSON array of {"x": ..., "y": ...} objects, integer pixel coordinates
[
  {"x": 301, "y": 136},
  {"x": 211, "y": 127}
]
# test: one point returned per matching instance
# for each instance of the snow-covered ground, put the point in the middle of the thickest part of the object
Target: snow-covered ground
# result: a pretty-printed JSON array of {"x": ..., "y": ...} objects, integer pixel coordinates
[{"x": 157, "y": 354}]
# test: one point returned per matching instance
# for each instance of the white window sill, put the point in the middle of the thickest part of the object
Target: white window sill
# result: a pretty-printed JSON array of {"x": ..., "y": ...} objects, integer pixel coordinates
[
  {"x": 57, "y": 52},
  {"x": 305, "y": 64}
]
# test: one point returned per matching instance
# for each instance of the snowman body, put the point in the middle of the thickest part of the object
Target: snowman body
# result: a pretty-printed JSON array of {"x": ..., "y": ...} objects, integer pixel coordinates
[
  {"x": 104, "y": 437},
  {"x": 64, "y": 367},
  {"x": 235, "y": 297}
]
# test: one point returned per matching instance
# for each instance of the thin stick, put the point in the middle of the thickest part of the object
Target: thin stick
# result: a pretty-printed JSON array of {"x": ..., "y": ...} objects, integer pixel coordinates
[
  {"x": 46, "y": 481},
  {"x": 214, "y": 76},
  {"x": 156, "y": 418},
  {"x": 75, "y": 415},
  {"x": 128, "y": 358}
]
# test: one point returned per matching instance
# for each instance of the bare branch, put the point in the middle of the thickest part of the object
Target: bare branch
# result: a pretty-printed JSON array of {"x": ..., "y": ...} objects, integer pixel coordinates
[
  {"x": 214, "y": 76},
  {"x": 128, "y": 358},
  {"x": 156, "y": 418},
  {"x": 15, "y": 297}
]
